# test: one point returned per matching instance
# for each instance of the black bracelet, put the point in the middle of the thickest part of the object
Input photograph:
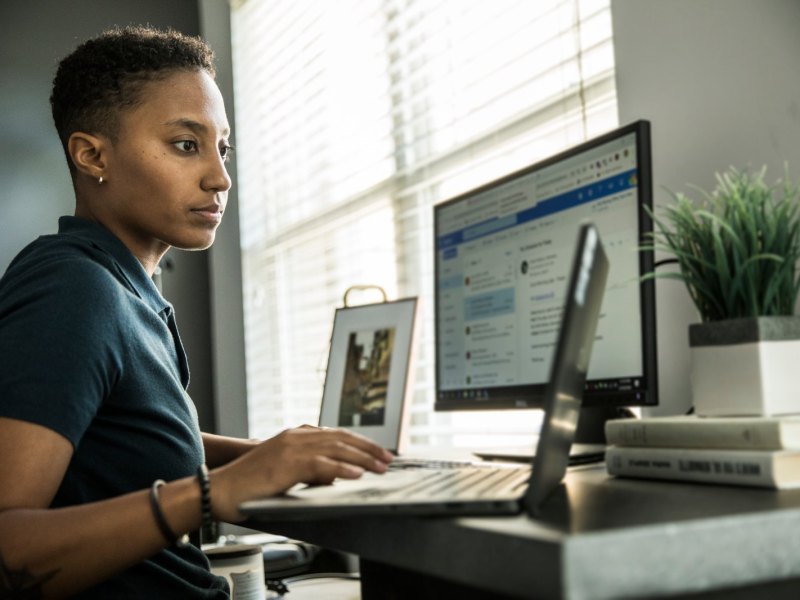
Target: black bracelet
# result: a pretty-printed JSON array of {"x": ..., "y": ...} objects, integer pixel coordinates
[
  {"x": 205, "y": 495},
  {"x": 161, "y": 521}
]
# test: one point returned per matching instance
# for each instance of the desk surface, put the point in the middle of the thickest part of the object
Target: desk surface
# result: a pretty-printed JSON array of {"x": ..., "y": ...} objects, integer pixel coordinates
[{"x": 597, "y": 537}]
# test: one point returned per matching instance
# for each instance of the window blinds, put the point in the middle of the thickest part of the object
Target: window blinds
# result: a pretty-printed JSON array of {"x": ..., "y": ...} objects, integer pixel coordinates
[{"x": 353, "y": 118}]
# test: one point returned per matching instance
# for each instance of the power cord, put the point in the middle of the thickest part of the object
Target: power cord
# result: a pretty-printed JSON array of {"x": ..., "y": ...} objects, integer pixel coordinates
[
  {"x": 281, "y": 586},
  {"x": 666, "y": 261}
]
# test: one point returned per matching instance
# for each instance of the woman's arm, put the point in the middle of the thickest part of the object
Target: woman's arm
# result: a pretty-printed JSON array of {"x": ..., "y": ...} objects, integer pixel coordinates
[
  {"x": 58, "y": 552},
  {"x": 220, "y": 449}
]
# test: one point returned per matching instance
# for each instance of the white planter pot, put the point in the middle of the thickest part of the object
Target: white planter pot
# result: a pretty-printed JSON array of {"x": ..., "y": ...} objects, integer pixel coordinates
[{"x": 746, "y": 367}]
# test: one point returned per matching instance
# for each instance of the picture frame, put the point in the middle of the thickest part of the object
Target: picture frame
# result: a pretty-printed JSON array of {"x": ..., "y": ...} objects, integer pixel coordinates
[{"x": 367, "y": 377}]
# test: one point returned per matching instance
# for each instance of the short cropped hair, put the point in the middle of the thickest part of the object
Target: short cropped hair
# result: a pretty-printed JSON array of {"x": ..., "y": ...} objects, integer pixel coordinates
[{"x": 106, "y": 74}]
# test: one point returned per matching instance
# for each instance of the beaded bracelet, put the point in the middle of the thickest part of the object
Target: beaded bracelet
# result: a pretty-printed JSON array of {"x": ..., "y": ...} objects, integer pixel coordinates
[
  {"x": 161, "y": 521},
  {"x": 205, "y": 495}
]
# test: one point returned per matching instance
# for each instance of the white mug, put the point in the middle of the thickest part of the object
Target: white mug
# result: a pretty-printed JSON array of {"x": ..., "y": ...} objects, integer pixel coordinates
[{"x": 243, "y": 566}]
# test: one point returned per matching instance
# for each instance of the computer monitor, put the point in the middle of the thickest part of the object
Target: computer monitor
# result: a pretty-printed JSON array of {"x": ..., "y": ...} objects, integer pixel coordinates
[{"x": 503, "y": 254}]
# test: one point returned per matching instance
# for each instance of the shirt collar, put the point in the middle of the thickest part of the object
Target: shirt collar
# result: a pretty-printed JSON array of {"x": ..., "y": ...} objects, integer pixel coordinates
[{"x": 129, "y": 266}]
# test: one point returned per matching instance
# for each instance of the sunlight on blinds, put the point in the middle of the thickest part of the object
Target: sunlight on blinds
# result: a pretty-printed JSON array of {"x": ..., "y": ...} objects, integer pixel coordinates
[{"x": 354, "y": 118}]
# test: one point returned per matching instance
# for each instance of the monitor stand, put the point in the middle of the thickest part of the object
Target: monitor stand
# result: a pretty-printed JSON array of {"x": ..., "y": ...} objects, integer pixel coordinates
[
  {"x": 592, "y": 422},
  {"x": 589, "y": 445}
]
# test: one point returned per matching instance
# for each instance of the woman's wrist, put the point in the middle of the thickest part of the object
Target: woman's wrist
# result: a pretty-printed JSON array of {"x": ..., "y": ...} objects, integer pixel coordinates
[{"x": 224, "y": 506}]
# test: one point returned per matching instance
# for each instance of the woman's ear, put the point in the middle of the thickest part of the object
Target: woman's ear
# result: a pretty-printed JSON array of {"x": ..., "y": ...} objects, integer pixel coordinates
[{"x": 88, "y": 154}]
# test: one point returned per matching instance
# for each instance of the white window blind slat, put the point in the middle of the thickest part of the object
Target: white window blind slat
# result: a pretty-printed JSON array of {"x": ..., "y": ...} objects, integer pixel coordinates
[{"x": 353, "y": 119}]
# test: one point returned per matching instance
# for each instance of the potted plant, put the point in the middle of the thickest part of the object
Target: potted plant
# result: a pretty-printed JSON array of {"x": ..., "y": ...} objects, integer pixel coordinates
[{"x": 737, "y": 250}]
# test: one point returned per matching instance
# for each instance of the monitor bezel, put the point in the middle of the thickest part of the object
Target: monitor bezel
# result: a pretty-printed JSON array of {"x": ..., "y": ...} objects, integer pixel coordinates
[{"x": 533, "y": 395}]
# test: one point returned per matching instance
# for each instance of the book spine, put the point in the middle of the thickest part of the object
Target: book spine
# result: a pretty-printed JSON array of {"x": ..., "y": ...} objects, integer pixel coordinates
[
  {"x": 709, "y": 466},
  {"x": 744, "y": 435}
]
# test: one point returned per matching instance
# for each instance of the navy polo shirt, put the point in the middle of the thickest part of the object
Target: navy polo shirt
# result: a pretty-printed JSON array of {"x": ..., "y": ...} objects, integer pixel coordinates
[{"x": 89, "y": 348}]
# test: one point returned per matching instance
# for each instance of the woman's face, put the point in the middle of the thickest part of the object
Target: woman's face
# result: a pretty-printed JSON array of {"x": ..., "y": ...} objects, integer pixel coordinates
[{"x": 165, "y": 181}]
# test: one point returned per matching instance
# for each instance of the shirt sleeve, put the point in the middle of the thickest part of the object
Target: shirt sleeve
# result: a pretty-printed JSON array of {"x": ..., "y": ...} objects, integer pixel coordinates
[{"x": 59, "y": 343}]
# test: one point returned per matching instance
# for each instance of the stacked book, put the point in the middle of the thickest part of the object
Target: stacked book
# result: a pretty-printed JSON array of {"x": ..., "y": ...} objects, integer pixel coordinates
[{"x": 750, "y": 451}]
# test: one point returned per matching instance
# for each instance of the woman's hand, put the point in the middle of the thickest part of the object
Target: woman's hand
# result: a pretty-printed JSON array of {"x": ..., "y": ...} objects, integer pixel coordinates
[{"x": 303, "y": 455}]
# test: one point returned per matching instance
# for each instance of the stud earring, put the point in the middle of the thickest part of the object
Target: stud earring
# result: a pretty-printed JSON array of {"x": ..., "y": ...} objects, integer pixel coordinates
[{"x": 100, "y": 180}]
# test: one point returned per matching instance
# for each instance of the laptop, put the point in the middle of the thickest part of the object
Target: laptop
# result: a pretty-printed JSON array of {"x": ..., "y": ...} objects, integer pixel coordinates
[{"x": 484, "y": 488}]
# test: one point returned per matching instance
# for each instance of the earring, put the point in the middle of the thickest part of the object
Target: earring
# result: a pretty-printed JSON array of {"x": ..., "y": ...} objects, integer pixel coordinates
[{"x": 100, "y": 180}]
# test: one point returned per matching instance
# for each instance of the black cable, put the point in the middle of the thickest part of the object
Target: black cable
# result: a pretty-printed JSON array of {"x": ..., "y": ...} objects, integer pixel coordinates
[
  {"x": 277, "y": 586},
  {"x": 666, "y": 261},
  {"x": 296, "y": 578},
  {"x": 281, "y": 586}
]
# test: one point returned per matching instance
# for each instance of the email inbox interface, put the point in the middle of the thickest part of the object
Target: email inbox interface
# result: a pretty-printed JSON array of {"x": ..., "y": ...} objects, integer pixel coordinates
[{"x": 503, "y": 258}]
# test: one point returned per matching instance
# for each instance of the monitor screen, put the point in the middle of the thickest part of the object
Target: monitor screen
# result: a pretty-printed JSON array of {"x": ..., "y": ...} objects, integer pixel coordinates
[{"x": 503, "y": 254}]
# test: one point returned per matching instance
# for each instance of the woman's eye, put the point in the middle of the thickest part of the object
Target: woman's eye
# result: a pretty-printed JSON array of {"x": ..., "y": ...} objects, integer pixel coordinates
[
  {"x": 186, "y": 146},
  {"x": 225, "y": 152}
]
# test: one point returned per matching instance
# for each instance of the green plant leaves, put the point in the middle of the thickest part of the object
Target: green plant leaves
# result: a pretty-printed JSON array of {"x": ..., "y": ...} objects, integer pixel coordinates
[{"x": 737, "y": 247}]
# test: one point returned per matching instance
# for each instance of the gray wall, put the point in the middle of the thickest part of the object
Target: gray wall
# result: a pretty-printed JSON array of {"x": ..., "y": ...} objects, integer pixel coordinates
[
  {"x": 227, "y": 311},
  {"x": 34, "y": 181},
  {"x": 719, "y": 81}
]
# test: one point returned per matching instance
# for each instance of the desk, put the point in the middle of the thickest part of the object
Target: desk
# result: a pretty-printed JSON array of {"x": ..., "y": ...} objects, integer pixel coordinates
[{"x": 597, "y": 537}]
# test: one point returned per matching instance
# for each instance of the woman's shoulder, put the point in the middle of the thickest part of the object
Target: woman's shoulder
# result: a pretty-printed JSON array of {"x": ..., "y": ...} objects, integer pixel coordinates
[{"x": 62, "y": 264}]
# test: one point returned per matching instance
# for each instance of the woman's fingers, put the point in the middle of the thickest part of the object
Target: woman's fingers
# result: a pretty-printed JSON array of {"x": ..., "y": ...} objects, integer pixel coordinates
[
  {"x": 325, "y": 470},
  {"x": 341, "y": 445},
  {"x": 348, "y": 453}
]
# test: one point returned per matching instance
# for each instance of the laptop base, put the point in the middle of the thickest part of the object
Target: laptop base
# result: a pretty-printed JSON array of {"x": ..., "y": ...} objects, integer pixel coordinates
[{"x": 580, "y": 454}]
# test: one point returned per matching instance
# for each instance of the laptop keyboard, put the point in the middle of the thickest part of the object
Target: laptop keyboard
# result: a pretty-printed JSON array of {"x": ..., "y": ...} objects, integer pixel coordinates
[
  {"x": 464, "y": 482},
  {"x": 402, "y": 462}
]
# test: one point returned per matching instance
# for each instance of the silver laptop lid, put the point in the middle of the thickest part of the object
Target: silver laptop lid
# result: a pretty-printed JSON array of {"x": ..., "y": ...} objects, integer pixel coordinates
[{"x": 570, "y": 363}]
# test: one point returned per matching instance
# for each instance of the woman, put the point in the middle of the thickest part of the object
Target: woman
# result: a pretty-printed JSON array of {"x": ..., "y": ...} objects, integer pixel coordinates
[{"x": 94, "y": 416}]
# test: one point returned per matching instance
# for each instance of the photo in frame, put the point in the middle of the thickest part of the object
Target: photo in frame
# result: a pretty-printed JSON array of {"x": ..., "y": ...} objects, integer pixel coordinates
[{"x": 368, "y": 370}]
